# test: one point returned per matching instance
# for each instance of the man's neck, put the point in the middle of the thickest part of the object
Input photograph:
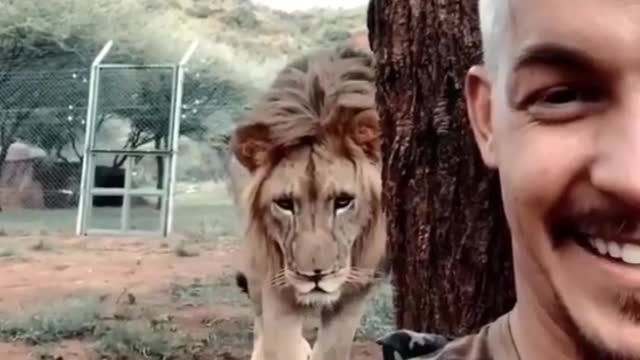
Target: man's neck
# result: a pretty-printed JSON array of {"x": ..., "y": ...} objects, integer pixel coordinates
[{"x": 538, "y": 335}]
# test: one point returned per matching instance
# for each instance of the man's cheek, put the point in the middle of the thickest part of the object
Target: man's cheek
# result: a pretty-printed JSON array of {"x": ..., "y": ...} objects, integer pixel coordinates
[{"x": 535, "y": 170}]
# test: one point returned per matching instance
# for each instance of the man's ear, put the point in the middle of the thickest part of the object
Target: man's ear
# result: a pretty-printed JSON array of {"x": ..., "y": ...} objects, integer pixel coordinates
[
  {"x": 365, "y": 132},
  {"x": 478, "y": 100},
  {"x": 251, "y": 145}
]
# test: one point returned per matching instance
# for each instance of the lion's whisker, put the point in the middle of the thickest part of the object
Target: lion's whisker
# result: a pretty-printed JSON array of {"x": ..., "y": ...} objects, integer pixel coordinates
[{"x": 278, "y": 280}]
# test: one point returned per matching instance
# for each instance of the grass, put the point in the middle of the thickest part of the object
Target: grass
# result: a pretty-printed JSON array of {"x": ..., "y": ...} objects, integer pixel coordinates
[
  {"x": 158, "y": 336},
  {"x": 196, "y": 292},
  {"x": 211, "y": 232},
  {"x": 70, "y": 318},
  {"x": 8, "y": 252},
  {"x": 42, "y": 245},
  {"x": 204, "y": 216},
  {"x": 184, "y": 250},
  {"x": 12, "y": 253},
  {"x": 82, "y": 317},
  {"x": 379, "y": 318},
  {"x": 230, "y": 335},
  {"x": 136, "y": 339}
]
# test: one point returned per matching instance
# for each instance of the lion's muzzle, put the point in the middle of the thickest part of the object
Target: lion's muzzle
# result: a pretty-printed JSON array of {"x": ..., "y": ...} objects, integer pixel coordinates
[{"x": 317, "y": 287}]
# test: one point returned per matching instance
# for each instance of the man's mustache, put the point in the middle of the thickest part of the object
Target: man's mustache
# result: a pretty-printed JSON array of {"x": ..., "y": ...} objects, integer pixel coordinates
[{"x": 604, "y": 219}]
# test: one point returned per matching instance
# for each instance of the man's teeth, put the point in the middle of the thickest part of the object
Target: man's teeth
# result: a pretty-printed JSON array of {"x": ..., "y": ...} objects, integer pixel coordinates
[{"x": 628, "y": 253}]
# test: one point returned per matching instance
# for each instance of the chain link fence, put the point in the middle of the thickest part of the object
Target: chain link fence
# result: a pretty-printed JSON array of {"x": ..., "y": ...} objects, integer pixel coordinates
[{"x": 42, "y": 132}]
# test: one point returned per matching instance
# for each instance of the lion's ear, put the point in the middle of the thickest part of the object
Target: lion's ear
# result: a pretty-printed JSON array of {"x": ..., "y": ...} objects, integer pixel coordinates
[
  {"x": 251, "y": 145},
  {"x": 366, "y": 134}
]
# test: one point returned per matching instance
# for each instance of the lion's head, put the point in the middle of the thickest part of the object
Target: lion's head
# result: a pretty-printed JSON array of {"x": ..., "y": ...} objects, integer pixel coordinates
[{"x": 315, "y": 223}]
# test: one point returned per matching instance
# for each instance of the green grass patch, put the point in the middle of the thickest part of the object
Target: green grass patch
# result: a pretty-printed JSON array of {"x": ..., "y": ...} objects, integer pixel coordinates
[
  {"x": 74, "y": 317},
  {"x": 166, "y": 342},
  {"x": 125, "y": 339},
  {"x": 12, "y": 253},
  {"x": 204, "y": 222},
  {"x": 379, "y": 318},
  {"x": 8, "y": 252},
  {"x": 231, "y": 335},
  {"x": 195, "y": 292}
]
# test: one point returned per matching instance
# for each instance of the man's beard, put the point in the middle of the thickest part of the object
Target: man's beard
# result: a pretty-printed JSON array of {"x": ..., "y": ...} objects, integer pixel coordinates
[
  {"x": 593, "y": 349},
  {"x": 597, "y": 216}
]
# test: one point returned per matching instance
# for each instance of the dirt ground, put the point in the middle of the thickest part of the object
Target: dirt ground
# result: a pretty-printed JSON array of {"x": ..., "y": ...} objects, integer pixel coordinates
[{"x": 169, "y": 288}]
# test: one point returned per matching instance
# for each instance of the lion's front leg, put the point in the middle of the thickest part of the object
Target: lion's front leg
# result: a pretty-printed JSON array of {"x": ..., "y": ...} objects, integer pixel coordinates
[
  {"x": 338, "y": 328},
  {"x": 258, "y": 351},
  {"x": 281, "y": 336}
]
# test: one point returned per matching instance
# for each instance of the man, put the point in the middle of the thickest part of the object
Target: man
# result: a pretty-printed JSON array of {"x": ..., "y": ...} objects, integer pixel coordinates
[{"x": 555, "y": 109}]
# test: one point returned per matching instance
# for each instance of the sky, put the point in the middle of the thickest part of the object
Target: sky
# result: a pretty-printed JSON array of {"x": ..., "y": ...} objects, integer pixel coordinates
[{"x": 291, "y": 5}]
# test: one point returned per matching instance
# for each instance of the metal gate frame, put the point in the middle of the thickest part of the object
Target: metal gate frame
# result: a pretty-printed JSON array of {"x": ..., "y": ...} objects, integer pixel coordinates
[{"x": 166, "y": 194}]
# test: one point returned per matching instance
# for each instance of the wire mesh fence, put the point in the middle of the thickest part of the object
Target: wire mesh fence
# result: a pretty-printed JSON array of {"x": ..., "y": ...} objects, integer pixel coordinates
[
  {"x": 42, "y": 131},
  {"x": 42, "y": 116}
]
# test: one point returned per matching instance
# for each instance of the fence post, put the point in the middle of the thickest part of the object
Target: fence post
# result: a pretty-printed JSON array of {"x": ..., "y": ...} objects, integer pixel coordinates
[
  {"x": 88, "y": 136},
  {"x": 176, "y": 134}
]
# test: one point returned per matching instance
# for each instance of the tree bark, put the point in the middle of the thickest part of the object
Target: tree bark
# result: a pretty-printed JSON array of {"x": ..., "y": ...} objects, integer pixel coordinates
[{"x": 449, "y": 240}]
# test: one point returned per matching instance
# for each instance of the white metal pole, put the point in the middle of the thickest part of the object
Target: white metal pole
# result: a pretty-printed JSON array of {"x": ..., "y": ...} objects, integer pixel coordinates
[
  {"x": 176, "y": 134},
  {"x": 91, "y": 104},
  {"x": 187, "y": 55},
  {"x": 126, "y": 197}
]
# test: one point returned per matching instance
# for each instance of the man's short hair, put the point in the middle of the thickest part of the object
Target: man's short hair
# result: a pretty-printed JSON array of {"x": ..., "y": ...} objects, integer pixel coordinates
[{"x": 494, "y": 24}]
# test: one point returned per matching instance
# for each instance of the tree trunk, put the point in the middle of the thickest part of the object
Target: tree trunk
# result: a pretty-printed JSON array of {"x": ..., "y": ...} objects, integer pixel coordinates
[{"x": 449, "y": 241}]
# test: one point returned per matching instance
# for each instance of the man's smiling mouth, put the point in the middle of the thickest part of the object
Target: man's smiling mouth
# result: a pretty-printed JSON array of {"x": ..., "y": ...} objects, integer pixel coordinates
[
  {"x": 623, "y": 252},
  {"x": 607, "y": 235}
]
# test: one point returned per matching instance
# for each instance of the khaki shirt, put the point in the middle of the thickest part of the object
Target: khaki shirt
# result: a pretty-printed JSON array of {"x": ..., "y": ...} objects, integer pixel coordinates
[{"x": 493, "y": 342}]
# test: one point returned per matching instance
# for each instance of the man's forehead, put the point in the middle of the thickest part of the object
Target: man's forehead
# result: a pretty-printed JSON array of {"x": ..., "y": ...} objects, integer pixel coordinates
[{"x": 602, "y": 29}]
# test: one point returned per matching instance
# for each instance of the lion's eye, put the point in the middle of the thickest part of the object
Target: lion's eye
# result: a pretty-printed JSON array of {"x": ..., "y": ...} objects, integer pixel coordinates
[
  {"x": 285, "y": 204},
  {"x": 342, "y": 201}
]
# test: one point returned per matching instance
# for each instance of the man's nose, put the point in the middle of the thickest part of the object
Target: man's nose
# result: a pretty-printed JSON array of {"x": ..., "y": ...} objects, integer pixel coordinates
[{"x": 616, "y": 167}]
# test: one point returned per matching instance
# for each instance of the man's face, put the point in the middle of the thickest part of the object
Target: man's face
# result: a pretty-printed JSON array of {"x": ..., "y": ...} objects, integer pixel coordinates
[{"x": 561, "y": 124}]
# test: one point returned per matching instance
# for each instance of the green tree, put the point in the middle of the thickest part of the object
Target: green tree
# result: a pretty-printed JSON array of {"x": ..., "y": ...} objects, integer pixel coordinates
[
  {"x": 145, "y": 101},
  {"x": 36, "y": 98}
]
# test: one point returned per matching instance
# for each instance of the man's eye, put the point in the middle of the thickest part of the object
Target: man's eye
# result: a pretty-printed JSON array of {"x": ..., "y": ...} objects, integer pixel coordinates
[
  {"x": 565, "y": 103},
  {"x": 565, "y": 94},
  {"x": 560, "y": 96}
]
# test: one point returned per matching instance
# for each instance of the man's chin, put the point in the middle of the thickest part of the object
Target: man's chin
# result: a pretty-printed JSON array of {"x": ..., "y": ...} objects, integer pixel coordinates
[
  {"x": 605, "y": 335},
  {"x": 601, "y": 299}
]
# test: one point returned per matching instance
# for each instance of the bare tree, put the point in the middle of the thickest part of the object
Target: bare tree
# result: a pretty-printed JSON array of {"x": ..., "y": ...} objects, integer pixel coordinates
[{"x": 449, "y": 239}]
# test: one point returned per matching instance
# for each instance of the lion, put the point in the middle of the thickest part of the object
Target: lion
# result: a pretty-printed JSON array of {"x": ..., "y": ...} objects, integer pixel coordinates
[{"x": 306, "y": 177}]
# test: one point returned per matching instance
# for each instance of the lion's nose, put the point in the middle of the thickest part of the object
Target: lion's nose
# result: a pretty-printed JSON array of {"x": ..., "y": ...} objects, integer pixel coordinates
[{"x": 315, "y": 276}]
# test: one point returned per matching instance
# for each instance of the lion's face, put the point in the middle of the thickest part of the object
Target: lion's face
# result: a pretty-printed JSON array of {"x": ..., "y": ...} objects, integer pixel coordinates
[
  {"x": 312, "y": 148},
  {"x": 315, "y": 208}
]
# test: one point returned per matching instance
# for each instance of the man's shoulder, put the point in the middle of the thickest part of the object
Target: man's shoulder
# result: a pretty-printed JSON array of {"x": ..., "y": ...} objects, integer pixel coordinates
[
  {"x": 407, "y": 344},
  {"x": 470, "y": 347},
  {"x": 491, "y": 342}
]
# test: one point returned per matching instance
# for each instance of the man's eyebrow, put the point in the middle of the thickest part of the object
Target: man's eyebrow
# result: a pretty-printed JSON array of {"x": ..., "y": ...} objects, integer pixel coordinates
[{"x": 554, "y": 55}]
